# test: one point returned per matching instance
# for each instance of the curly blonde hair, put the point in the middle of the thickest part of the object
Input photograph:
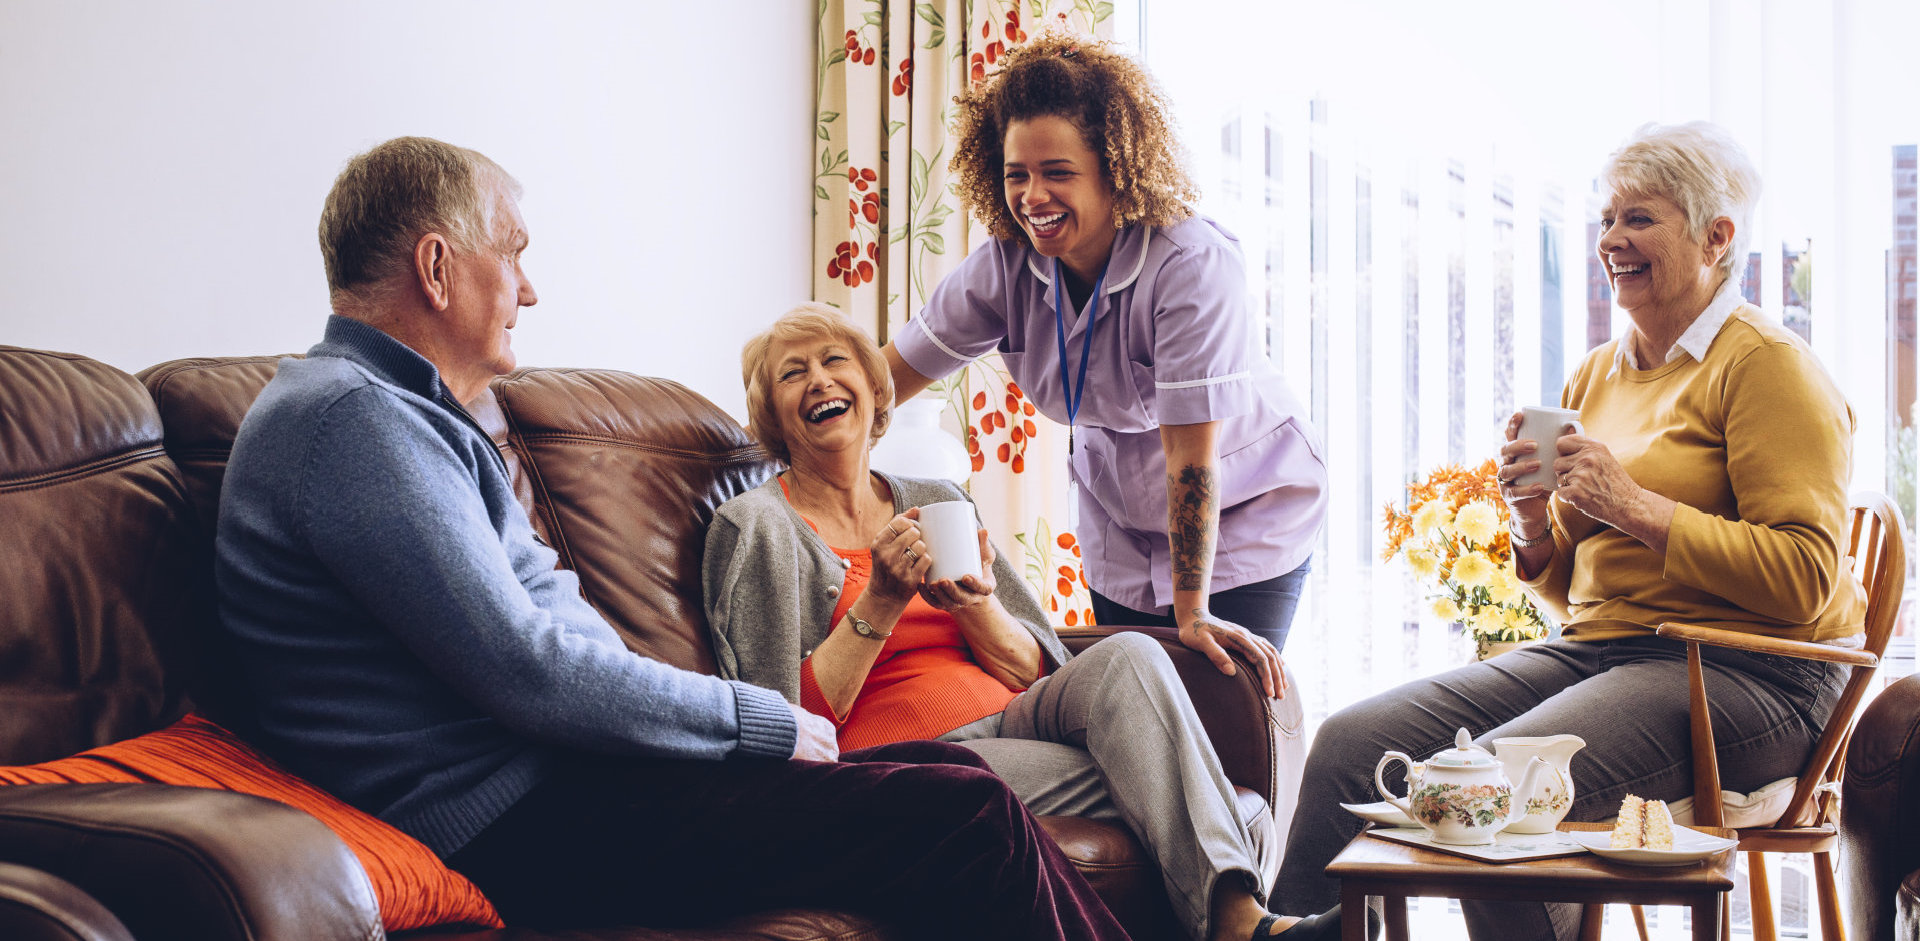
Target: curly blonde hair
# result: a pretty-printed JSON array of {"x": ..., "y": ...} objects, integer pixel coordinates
[{"x": 1121, "y": 113}]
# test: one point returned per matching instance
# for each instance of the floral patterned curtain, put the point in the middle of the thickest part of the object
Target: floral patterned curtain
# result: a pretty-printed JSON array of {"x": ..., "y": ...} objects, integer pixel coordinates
[{"x": 886, "y": 229}]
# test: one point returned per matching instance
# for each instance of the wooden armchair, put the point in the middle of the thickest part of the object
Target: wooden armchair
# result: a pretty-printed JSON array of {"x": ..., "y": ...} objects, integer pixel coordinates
[{"x": 1876, "y": 553}]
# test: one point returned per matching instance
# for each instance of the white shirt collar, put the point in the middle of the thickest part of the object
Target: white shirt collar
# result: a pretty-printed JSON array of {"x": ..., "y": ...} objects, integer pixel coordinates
[{"x": 1697, "y": 337}]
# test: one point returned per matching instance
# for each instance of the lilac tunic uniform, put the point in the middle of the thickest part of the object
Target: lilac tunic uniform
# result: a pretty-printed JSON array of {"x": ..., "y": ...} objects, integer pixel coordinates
[{"x": 1173, "y": 344}]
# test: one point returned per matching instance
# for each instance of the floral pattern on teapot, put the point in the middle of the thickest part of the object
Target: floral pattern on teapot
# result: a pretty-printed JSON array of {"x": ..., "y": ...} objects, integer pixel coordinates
[{"x": 1475, "y": 806}]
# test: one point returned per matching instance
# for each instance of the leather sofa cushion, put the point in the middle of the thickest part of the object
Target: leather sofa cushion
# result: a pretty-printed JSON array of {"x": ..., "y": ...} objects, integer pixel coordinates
[
  {"x": 627, "y": 471},
  {"x": 102, "y": 570},
  {"x": 414, "y": 888}
]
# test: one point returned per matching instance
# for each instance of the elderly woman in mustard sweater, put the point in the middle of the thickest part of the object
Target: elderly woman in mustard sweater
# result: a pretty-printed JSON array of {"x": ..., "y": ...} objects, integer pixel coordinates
[
  {"x": 1709, "y": 487},
  {"x": 816, "y": 586}
]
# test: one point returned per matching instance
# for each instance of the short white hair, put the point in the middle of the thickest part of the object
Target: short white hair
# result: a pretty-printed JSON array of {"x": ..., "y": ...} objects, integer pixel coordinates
[{"x": 1701, "y": 168}]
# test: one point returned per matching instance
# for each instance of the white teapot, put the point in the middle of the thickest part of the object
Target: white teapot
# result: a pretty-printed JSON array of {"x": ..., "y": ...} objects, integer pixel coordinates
[{"x": 1461, "y": 795}]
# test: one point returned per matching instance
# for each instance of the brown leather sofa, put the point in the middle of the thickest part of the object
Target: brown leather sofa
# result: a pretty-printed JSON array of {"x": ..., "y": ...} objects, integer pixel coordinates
[
  {"x": 1880, "y": 817},
  {"x": 108, "y": 492}
]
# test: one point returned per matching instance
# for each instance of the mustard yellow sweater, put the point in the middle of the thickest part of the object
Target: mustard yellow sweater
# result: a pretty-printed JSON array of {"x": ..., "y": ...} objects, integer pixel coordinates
[{"x": 1755, "y": 444}]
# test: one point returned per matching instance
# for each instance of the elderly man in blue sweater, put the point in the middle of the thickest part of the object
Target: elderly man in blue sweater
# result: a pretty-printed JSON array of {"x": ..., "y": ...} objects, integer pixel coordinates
[{"x": 414, "y": 650}]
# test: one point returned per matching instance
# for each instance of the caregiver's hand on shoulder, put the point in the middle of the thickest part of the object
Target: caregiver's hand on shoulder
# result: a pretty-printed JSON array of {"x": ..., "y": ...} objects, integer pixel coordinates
[
  {"x": 814, "y": 738},
  {"x": 1212, "y": 637},
  {"x": 900, "y": 559},
  {"x": 954, "y": 595}
]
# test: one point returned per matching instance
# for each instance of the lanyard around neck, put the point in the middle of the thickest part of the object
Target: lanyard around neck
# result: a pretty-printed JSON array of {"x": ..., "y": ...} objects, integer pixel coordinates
[
  {"x": 1060, "y": 335},
  {"x": 1074, "y": 395}
]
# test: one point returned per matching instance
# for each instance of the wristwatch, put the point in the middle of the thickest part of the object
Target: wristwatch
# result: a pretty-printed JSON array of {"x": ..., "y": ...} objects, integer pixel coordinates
[
  {"x": 864, "y": 627},
  {"x": 1522, "y": 542}
]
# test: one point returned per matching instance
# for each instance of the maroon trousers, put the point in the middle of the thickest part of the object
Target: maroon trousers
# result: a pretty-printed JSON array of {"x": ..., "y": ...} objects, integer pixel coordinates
[{"x": 918, "y": 833}]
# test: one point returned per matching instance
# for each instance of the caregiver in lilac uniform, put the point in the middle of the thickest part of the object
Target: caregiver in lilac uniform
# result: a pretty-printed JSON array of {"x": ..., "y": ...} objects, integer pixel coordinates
[{"x": 1124, "y": 316}]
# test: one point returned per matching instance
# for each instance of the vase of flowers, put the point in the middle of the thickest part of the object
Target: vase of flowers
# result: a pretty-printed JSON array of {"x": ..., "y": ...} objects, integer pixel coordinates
[{"x": 1453, "y": 535}]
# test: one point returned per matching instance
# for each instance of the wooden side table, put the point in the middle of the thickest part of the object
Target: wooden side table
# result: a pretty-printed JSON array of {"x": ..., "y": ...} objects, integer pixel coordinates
[{"x": 1373, "y": 866}]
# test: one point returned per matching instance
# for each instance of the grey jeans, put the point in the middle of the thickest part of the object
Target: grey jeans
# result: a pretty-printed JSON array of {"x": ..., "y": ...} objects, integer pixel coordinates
[
  {"x": 1627, "y": 698},
  {"x": 1112, "y": 735}
]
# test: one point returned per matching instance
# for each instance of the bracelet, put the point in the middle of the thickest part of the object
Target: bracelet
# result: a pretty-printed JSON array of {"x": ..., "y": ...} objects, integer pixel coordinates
[{"x": 1522, "y": 542}]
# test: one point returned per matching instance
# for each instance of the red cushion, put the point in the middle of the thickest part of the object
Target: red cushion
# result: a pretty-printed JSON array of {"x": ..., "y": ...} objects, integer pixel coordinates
[{"x": 415, "y": 889}]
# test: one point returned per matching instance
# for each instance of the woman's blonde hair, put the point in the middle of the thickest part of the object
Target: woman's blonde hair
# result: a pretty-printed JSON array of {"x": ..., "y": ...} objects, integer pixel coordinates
[
  {"x": 807, "y": 321},
  {"x": 1701, "y": 168},
  {"x": 1120, "y": 113}
]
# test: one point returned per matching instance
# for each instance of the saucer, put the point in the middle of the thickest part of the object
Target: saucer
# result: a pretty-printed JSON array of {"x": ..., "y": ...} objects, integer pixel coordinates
[
  {"x": 1689, "y": 846},
  {"x": 1382, "y": 813}
]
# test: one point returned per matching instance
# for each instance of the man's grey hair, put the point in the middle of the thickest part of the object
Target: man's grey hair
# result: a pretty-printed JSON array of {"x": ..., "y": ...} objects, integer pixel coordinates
[
  {"x": 386, "y": 199},
  {"x": 1700, "y": 167}
]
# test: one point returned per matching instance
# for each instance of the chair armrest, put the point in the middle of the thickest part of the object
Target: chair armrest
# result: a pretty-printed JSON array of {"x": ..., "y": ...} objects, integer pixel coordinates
[
  {"x": 180, "y": 862},
  {"x": 1760, "y": 643},
  {"x": 1250, "y": 732},
  {"x": 35, "y": 906}
]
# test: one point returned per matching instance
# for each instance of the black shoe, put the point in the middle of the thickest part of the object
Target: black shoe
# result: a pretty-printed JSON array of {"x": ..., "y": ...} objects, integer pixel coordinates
[{"x": 1322, "y": 927}]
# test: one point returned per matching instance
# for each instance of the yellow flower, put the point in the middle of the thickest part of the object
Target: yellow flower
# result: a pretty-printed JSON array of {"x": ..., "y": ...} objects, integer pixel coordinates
[
  {"x": 1478, "y": 522},
  {"x": 1423, "y": 561},
  {"x": 1430, "y": 516},
  {"x": 1505, "y": 587},
  {"x": 1445, "y": 609},
  {"x": 1474, "y": 570}
]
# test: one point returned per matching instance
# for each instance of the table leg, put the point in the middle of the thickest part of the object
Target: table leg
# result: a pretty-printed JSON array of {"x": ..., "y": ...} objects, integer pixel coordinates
[
  {"x": 1591, "y": 915},
  {"x": 1394, "y": 907},
  {"x": 1706, "y": 917},
  {"x": 1353, "y": 912}
]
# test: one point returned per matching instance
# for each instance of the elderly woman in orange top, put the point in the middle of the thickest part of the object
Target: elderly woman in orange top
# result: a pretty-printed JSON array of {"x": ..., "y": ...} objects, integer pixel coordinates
[
  {"x": 1709, "y": 486},
  {"x": 816, "y": 587}
]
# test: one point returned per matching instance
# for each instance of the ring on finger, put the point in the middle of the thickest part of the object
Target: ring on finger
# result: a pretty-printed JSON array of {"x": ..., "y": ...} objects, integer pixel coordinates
[{"x": 911, "y": 555}]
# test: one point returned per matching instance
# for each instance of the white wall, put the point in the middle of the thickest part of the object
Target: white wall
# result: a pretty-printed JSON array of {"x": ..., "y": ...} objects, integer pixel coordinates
[{"x": 162, "y": 166}]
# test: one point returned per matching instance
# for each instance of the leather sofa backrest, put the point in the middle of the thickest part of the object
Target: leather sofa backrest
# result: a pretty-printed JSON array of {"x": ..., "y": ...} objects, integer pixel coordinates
[
  {"x": 626, "y": 473},
  {"x": 620, "y": 473},
  {"x": 103, "y": 563},
  {"x": 110, "y": 493},
  {"x": 202, "y": 401}
]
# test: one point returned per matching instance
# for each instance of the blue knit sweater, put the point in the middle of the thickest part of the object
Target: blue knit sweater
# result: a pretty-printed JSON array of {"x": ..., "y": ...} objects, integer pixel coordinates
[{"x": 412, "y": 648}]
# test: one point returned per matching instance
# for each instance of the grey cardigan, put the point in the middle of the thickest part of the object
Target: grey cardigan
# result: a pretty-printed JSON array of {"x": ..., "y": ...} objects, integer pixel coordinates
[{"x": 771, "y": 584}]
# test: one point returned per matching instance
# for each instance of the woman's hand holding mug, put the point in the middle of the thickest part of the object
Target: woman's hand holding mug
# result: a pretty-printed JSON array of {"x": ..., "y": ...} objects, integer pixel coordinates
[{"x": 900, "y": 559}]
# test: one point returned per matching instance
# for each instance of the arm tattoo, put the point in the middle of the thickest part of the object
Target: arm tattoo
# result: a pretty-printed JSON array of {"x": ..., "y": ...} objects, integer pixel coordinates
[{"x": 1193, "y": 519}]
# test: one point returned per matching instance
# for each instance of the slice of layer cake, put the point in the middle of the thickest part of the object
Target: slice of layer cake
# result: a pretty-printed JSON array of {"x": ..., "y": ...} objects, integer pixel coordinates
[
  {"x": 1656, "y": 833},
  {"x": 1626, "y": 830},
  {"x": 1643, "y": 824}
]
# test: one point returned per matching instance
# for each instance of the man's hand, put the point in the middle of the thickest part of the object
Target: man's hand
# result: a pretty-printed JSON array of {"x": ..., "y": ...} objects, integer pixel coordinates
[
  {"x": 1213, "y": 637},
  {"x": 814, "y": 738}
]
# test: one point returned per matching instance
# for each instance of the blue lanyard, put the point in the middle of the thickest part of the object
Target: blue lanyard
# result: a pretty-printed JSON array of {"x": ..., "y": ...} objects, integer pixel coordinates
[{"x": 1086, "y": 345}]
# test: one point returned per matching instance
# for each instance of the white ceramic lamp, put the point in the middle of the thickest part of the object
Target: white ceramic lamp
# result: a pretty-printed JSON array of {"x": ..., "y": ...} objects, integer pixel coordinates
[{"x": 916, "y": 446}]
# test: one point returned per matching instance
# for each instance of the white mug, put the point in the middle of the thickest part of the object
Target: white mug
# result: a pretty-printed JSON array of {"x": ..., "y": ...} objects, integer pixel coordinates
[
  {"x": 953, "y": 539},
  {"x": 1544, "y": 424}
]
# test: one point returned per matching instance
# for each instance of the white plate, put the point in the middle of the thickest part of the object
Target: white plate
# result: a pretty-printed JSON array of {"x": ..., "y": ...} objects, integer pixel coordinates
[
  {"x": 1689, "y": 846},
  {"x": 1382, "y": 813}
]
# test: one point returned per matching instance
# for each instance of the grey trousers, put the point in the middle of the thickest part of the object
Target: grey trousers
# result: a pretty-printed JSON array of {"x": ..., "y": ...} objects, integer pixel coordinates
[
  {"x": 1113, "y": 736},
  {"x": 1627, "y": 698}
]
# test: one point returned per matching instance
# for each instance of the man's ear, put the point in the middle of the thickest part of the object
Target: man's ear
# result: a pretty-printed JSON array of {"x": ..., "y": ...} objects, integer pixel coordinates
[
  {"x": 431, "y": 268},
  {"x": 1719, "y": 239}
]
